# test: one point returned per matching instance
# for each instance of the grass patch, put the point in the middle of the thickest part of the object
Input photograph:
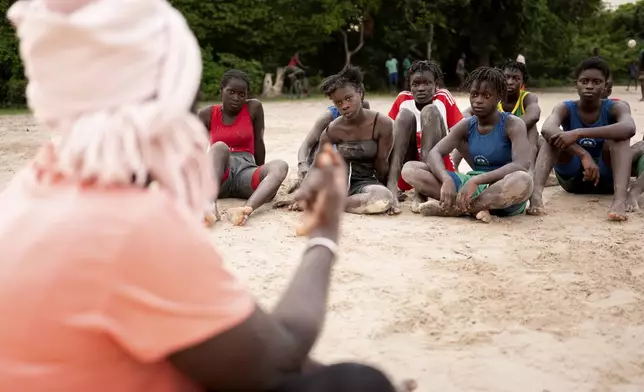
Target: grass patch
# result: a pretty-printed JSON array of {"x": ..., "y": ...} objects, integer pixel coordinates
[{"x": 13, "y": 111}]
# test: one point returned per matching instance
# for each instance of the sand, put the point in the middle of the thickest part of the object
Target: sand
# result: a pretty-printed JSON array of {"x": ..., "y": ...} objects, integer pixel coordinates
[{"x": 553, "y": 303}]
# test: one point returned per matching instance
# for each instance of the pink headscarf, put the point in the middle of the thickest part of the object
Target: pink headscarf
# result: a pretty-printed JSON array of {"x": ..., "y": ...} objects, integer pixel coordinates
[{"x": 116, "y": 79}]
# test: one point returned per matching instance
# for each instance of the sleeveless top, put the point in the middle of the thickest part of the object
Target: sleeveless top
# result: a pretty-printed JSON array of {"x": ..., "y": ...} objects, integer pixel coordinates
[
  {"x": 519, "y": 108},
  {"x": 593, "y": 146},
  {"x": 490, "y": 151},
  {"x": 239, "y": 136},
  {"x": 360, "y": 167}
]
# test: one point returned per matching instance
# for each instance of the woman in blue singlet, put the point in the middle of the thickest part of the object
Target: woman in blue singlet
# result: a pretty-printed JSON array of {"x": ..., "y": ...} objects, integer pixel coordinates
[
  {"x": 495, "y": 144},
  {"x": 592, "y": 154}
]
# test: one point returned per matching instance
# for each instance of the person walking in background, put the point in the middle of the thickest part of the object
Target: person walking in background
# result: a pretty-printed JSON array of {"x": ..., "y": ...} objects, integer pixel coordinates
[
  {"x": 632, "y": 75},
  {"x": 520, "y": 59},
  {"x": 461, "y": 71},
  {"x": 406, "y": 63},
  {"x": 392, "y": 69},
  {"x": 641, "y": 74}
]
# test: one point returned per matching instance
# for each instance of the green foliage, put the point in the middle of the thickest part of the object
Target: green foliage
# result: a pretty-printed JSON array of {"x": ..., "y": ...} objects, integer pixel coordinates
[{"x": 258, "y": 36}]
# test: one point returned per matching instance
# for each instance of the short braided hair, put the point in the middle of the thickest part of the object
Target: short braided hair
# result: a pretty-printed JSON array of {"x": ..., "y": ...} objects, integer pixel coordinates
[
  {"x": 235, "y": 74},
  {"x": 493, "y": 76},
  {"x": 425, "y": 65},
  {"x": 514, "y": 65}
]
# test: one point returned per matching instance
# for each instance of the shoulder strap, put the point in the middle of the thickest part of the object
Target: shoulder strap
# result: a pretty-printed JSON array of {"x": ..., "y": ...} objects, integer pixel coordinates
[{"x": 373, "y": 131}]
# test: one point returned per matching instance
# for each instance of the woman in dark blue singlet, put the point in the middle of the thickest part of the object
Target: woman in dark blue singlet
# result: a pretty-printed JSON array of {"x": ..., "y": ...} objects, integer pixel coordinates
[
  {"x": 495, "y": 144},
  {"x": 592, "y": 154}
]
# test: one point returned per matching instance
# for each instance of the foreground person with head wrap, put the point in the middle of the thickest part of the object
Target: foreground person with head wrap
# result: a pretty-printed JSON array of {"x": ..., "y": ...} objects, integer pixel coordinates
[{"x": 107, "y": 285}]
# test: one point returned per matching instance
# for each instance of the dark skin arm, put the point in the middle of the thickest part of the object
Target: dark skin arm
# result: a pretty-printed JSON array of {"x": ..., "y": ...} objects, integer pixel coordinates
[
  {"x": 517, "y": 133},
  {"x": 204, "y": 115},
  {"x": 532, "y": 110},
  {"x": 453, "y": 140},
  {"x": 385, "y": 137},
  {"x": 257, "y": 115},
  {"x": 313, "y": 136},
  {"x": 552, "y": 127},
  {"x": 622, "y": 129},
  {"x": 262, "y": 351}
]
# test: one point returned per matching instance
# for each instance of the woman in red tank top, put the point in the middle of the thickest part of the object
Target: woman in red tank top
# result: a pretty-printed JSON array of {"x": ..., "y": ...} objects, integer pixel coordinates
[{"x": 236, "y": 131}]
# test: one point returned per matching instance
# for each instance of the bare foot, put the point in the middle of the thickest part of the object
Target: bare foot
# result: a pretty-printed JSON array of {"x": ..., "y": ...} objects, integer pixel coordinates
[
  {"x": 407, "y": 385},
  {"x": 296, "y": 206},
  {"x": 402, "y": 196},
  {"x": 211, "y": 216},
  {"x": 239, "y": 215},
  {"x": 283, "y": 201},
  {"x": 632, "y": 204},
  {"x": 416, "y": 202},
  {"x": 484, "y": 216},
  {"x": 617, "y": 211},
  {"x": 433, "y": 208},
  {"x": 536, "y": 206}
]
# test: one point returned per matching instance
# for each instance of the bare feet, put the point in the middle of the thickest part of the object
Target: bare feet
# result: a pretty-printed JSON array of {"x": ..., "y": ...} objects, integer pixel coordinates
[
  {"x": 282, "y": 201},
  {"x": 239, "y": 215},
  {"x": 402, "y": 196},
  {"x": 536, "y": 206},
  {"x": 632, "y": 204},
  {"x": 416, "y": 202},
  {"x": 433, "y": 208},
  {"x": 617, "y": 211},
  {"x": 211, "y": 216},
  {"x": 484, "y": 216}
]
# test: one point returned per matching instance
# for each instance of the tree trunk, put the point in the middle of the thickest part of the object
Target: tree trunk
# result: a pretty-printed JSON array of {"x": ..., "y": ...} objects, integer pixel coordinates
[
  {"x": 430, "y": 41},
  {"x": 349, "y": 53}
]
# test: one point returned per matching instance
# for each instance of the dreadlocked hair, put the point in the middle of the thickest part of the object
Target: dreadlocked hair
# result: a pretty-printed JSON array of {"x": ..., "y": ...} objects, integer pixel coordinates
[
  {"x": 348, "y": 76},
  {"x": 514, "y": 65},
  {"x": 235, "y": 74},
  {"x": 493, "y": 76},
  {"x": 426, "y": 65},
  {"x": 594, "y": 62}
]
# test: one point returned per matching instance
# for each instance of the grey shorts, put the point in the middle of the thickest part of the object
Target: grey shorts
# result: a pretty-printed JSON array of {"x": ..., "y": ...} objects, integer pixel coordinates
[{"x": 242, "y": 177}]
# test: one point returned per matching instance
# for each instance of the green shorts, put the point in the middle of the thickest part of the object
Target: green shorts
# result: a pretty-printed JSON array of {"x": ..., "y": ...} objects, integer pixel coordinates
[
  {"x": 460, "y": 179},
  {"x": 639, "y": 166}
]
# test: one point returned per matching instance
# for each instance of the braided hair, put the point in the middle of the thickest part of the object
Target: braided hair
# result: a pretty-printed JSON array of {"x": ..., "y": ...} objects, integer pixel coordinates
[
  {"x": 235, "y": 74},
  {"x": 514, "y": 65},
  {"x": 493, "y": 76},
  {"x": 426, "y": 65},
  {"x": 349, "y": 76}
]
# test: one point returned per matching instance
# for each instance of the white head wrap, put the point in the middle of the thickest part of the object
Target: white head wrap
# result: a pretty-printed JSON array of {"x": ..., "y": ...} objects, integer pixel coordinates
[{"x": 116, "y": 79}]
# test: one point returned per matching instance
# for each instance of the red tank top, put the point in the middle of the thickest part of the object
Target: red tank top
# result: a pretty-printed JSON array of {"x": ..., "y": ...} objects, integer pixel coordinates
[{"x": 239, "y": 136}]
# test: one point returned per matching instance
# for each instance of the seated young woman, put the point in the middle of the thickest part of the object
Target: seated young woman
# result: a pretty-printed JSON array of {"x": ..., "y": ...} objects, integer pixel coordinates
[
  {"x": 592, "y": 155},
  {"x": 422, "y": 117},
  {"x": 519, "y": 102},
  {"x": 236, "y": 130},
  {"x": 364, "y": 138},
  {"x": 494, "y": 143},
  {"x": 306, "y": 153}
]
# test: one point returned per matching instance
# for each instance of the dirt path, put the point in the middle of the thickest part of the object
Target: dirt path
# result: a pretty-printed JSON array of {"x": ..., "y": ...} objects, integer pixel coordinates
[{"x": 523, "y": 304}]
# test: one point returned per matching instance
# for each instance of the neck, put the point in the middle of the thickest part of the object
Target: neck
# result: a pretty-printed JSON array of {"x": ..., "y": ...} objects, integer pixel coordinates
[
  {"x": 229, "y": 112},
  {"x": 490, "y": 119},
  {"x": 589, "y": 105},
  {"x": 420, "y": 106},
  {"x": 358, "y": 118},
  {"x": 511, "y": 97}
]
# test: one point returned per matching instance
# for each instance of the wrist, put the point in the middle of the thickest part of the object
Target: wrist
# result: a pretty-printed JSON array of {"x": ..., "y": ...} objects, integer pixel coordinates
[{"x": 328, "y": 232}]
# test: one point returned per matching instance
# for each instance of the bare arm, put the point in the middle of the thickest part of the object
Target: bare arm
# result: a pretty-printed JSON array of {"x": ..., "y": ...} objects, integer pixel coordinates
[
  {"x": 257, "y": 115},
  {"x": 532, "y": 110},
  {"x": 263, "y": 350},
  {"x": 518, "y": 134},
  {"x": 313, "y": 136},
  {"x": 552, "y": 126},
  {"x": 205, "y": 115},
  {"x": 446, "y": 145},
  {"x": 623, "y": 129},
  {"x": 385, "y": 137}
]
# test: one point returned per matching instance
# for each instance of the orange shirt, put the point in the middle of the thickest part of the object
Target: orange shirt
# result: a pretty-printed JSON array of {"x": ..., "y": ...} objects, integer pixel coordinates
[{"x": 98, "y": 287}]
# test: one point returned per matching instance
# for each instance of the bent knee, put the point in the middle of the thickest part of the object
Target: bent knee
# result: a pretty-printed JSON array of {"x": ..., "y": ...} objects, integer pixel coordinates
[
  {"x": 219, "y": 149},
  {"x": 430, "y": 110},
  {"x": 355, "y": 377},
  {"x": 411, "y": 169},
  {"x": 278, "y": 168},
  {"x": 519, "y": 182}
]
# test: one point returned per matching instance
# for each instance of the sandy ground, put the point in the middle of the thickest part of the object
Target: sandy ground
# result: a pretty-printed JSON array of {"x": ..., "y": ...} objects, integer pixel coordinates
[{"x": 554, "y": 303}]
